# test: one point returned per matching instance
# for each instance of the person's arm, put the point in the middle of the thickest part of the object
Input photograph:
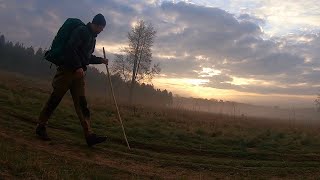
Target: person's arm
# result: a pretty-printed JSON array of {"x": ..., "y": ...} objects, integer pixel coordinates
[
  {"x": 97, "y": 60},
  {"x": 73, "y": 58}
]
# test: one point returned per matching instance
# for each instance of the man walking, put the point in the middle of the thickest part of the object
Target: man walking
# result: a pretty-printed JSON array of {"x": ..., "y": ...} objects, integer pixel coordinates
[{"x": 76, "y": 55}]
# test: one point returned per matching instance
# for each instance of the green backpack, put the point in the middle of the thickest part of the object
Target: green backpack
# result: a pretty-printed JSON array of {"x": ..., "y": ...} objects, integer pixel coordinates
[{"x": 60, "y": 40}]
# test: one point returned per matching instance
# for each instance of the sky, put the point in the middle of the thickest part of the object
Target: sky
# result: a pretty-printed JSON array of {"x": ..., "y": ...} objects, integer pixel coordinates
[{"x": 263, "y": 52}]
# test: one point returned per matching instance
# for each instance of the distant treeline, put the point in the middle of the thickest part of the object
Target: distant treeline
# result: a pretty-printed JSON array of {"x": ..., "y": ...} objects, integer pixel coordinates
[{"x": 15, "y": 57}]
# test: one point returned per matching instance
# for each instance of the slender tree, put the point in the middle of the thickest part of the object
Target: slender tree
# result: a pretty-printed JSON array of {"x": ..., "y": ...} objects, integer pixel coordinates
[{"x": 135, "y": 62}]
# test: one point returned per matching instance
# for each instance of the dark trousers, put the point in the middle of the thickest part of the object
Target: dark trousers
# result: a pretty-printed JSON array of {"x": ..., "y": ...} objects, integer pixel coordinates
[{"x": 63, "y": 81}]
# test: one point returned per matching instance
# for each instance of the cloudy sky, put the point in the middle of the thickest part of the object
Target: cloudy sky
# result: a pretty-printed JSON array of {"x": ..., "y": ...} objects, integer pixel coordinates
[{"x": 253, "y": 51}]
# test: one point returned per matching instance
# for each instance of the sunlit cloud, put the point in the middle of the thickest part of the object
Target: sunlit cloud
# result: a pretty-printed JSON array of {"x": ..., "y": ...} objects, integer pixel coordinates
[
  {"x": 184, "y": 81},
  {"x": 281, "y": 17},
  {"x": 164, "y": 56},
  {"x": 190, "y": 87},
  {"x": 250, "y": 81},
  {"x": 208, "y": 72},
  {"x": 110, "y": 47}
]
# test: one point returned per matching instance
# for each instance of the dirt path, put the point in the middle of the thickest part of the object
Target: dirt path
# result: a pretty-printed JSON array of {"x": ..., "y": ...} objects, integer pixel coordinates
[
  {"x": 150, "y": 168},
  {"x": 131, "y": 162}
]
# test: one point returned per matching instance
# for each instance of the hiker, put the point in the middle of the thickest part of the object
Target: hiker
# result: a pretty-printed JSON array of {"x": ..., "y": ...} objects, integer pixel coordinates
[{"x": 75, "y": 55}]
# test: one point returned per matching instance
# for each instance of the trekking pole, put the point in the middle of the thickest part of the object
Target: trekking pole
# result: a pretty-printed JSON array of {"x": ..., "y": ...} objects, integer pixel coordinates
[{"x": 115, "y": 102}]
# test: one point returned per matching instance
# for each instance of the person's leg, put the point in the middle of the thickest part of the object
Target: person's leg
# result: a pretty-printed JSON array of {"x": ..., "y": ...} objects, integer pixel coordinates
[
  {"x": 61, "y": 84},
  {"x": 81, "y": 106}
]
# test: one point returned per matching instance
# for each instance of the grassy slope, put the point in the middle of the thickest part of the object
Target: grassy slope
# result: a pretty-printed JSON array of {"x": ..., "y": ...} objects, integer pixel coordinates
[{"x": 165, "y": 143}]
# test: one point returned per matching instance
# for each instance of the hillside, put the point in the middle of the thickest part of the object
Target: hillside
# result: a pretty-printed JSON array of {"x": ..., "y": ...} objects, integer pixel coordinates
[{"x": 166, "y": 143}]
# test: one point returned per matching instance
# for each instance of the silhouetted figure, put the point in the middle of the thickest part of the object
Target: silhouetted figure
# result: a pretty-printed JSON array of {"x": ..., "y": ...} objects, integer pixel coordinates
[{"x": 72, "y": 60}]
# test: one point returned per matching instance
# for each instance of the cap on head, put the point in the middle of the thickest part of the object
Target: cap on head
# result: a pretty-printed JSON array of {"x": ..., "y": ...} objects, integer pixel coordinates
[{"x": 99, "y": 20}]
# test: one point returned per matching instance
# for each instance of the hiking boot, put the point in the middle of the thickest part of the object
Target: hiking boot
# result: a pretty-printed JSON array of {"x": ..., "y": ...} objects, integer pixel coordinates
[
  {"x": 93, "y": 139},
  {"x": 42, "y": 133}
]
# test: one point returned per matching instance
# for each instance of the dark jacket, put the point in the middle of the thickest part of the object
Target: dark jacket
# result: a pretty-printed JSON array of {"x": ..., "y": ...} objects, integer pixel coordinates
[{"x": 79, "y": 48}]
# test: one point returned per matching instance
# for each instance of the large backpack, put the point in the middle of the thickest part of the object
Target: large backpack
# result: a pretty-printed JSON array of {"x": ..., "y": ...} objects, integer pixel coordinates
[{"x": 59, "y": 42}]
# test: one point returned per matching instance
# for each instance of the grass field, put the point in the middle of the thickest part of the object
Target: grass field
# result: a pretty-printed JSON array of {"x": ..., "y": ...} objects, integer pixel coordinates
[{"x": 166, "y": 143}]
